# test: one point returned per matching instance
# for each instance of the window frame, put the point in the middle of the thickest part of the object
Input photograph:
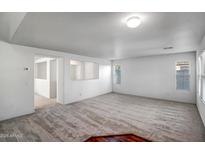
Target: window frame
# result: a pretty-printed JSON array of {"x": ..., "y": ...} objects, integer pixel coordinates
[
  {"x": 83, "y": 70},
  {"x": 201, "y": 76},
  {"x": 37, "y": 70},
  {"x": 98, "y": 71}
]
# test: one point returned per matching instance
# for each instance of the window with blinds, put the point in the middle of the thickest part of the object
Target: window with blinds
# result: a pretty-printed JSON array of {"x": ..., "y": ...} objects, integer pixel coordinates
[
  {"x": 117, "y": 74},
  {"x": 183, "y": 75}
]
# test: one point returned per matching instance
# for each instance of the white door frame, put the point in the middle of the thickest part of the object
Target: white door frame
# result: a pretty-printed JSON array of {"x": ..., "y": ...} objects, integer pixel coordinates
[{"x": 60, "y": 76}]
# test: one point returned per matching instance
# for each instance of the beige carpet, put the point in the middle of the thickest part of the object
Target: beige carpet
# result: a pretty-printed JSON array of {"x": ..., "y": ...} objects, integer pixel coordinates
[{"x": 155, "y": 120}]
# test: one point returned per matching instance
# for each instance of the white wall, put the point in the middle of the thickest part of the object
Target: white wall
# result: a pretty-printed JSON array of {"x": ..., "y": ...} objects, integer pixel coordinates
[
  {"x": 82, "y": 89},
  {"x": 154, "y": 76},
  {"x": 200, "y": 104},
  {"x": 53, "y": 78},
  {"x": 42, "y": 87},
  {"x": 60, "y": 80},
  {"x": 17, "y": 85}
]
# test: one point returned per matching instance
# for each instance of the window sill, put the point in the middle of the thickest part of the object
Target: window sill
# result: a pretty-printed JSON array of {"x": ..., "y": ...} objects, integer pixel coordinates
[{"x": 181, "y": 90}]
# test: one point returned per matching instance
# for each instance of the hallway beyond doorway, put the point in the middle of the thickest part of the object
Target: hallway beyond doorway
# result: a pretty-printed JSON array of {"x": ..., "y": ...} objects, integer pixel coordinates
[{"x": 42, "y": 102}]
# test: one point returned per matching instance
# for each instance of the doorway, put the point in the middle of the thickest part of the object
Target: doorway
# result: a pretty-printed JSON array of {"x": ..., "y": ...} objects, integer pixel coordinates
[{"x": 45, "y": 81}]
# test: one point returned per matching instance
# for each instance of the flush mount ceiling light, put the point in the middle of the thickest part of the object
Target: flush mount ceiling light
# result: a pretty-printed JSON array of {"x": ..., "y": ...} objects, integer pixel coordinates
[{"x": 133, "y": 22}]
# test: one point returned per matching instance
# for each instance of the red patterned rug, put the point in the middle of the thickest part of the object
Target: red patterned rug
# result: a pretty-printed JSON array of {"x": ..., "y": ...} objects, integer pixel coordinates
[{"x": 117, "y": 138}]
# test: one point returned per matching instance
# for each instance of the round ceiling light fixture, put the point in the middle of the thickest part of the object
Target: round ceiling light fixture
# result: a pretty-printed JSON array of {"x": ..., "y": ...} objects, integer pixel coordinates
[{"x": 133, "y": 22}]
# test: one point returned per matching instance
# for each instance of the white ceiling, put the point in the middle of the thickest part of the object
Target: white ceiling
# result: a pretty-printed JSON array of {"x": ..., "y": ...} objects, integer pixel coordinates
[
  {"x": 9, "y": 23},
  {"x": 105, "y": 35}
]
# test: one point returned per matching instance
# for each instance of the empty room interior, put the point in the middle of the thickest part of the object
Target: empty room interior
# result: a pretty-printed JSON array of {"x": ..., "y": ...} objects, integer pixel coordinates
[{"x": 102, "y": 76}]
